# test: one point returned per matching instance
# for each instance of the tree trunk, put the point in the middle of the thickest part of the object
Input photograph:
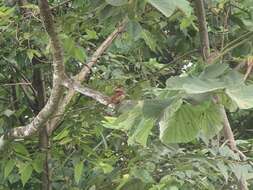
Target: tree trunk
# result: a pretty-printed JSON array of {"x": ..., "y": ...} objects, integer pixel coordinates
[
  {"x": 205, "y": 48},
  {"x": 44, "y": 143}
]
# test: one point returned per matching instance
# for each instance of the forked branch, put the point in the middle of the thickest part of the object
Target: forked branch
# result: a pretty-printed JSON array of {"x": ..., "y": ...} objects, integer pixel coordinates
[
  {"x": 81, "y": 76},
  {"x": 58, "y": 75}
]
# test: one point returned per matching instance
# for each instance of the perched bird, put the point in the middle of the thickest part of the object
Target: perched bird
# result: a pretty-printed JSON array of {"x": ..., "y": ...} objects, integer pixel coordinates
[{"x": 118, "y": 96}]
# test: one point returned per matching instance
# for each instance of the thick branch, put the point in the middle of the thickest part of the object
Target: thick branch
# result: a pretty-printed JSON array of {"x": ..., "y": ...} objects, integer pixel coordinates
[
  {"x": 99, "y": 52},
  {"x": 83, "y": 74},
  {"x": 58, "y": 75},
  {"x": 99, "y": 97}
]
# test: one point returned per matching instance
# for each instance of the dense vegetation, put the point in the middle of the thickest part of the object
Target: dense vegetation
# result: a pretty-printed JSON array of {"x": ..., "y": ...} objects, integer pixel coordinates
[{"x": 126, "y": 94}]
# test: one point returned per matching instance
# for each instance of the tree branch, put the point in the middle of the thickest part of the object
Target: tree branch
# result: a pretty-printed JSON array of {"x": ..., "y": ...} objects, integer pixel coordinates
[
  {"x": 58, "y": 75},
  {"x": 99, "y": 52},
  {"x": 99, "y": 97},
  {"x": 80, "y": 77},
  {"x": 204, "y": 38}
]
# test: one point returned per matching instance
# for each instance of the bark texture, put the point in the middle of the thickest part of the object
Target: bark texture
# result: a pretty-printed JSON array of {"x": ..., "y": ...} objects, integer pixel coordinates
[{"x": 58, "y": 75}]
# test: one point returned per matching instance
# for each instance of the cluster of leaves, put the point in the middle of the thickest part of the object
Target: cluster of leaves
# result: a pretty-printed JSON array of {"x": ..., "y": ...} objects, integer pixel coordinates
[{"x": 186, "y": 107}]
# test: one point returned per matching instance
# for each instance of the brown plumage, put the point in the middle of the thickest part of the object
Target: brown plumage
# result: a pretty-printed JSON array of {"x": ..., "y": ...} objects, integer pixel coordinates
[{"x": 118, "y": 96}]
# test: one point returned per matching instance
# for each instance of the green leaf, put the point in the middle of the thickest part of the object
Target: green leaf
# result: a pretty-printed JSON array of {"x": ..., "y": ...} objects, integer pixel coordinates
[
  {"x": 78, "y": 170},
  {"x": 227, "y": 102},
  {"x": 182, "y": 123},
  {"x": 179, "y": 123},
  {"x": 223, "y": 170},
  {"x": 91, "y": 34},
  {"x": 194, "y": 85},
  {"x": 233, "y": 79},
  {"x": 167, "y": 7},
  {"x": 214, "y": 70},
  {"x": 142, "y": 174},
  {"x": 134, "y": 29},
  {"x": 38, "y": 163},
  {"x": 31, "y": 53},
  {"x": 211, "y": 121},
  {"x": 149, "y": 40},
  {"x": 80, "y": 54},
  {"x": 242, "y": 96},
  {"x": 20, "y": 148},
  {"x": 117, "y": 2},
  {"x": 25, "y": 173},
  {"x": 153, "y": 108},
  {"x": 8, "y": 168},
  {"x": 141, "y": 131},
  {"x": 62, "y": 134},
  {"x": 107, "y": 168},
  {"x": 126, "y": 120},
  {"x": 139, "y": 121}
]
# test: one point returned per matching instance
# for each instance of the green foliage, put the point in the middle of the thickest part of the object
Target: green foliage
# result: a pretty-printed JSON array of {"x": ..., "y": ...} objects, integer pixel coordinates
[
  {"x": 25, "y": 171},
  {"x": 168, "y": 7},
  {"x": 78, "y": 171},
  {"x": 8, "y": 168},
  {"x": 117, "y": 2}
]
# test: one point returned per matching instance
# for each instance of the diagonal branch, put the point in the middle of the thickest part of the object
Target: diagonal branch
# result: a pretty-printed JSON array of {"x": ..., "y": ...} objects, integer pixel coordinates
[
  {"x": 98, "y": 96},
  {"x": 58, "y": 75},
  {"x": 79, "y": 78},
  {"x": 99, "y": 52}
]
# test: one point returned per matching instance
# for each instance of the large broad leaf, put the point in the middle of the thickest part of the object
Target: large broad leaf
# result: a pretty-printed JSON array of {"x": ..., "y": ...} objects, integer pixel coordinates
[
  {"x": 214, "y": 70},
  {"x": 167, "y": 7},
  {"x": 126, "y": 120},
  {"x": 183, "y": 123},
  {"x": 141, "y": 132},
  {"x": 194, "y": 85},
  {"x": 179, "y": 124},
  {"x": 211, "y": 121},
  {"x": 214, "y": 77},
  {"x": 198, "y": 86},
  {"x": 117, "y": 2},
  {"x": 154, "y": 108},
  {"x": 243, "y": 96},
  {"x": 139, "y": 121},
  {"x": 134, "y": 29},
  {"x": 233, "y": 79}
]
